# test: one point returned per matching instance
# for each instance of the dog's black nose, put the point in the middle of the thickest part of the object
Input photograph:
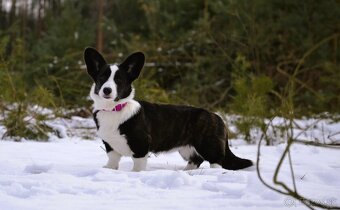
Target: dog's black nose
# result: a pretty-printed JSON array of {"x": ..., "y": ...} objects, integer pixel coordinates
[{"x": 107, "y": 91}]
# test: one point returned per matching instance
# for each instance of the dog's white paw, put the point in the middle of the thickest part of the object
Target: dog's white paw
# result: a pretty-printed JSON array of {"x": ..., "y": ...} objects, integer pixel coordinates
[
  {"x": 215, "y": 165},
  {"x": 190, "y": 166},
  {"x": 111, "y": 167},
  {"x": 139, "y": 164},
  {"x": 113, "y": 161}
]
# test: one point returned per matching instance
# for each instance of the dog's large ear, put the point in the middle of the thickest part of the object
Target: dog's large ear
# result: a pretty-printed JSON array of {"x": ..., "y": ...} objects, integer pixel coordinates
[
  {"x": 133, "y": 64},
  {"x": 94, "y": 61}
]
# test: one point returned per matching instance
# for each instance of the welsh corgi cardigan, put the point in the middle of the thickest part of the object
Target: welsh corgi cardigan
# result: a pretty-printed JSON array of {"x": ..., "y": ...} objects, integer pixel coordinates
[{"x": 130, "y": 127}]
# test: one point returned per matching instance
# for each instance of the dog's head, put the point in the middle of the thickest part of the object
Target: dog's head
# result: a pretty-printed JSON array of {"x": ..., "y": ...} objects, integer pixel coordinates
[{"x": 112, "y": 82}]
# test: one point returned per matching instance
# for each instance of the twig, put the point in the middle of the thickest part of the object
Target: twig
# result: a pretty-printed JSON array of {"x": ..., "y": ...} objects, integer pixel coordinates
[
  {"x": 312, "y": 143},
  {"x": 291, "y": 170},
  {"x": 258, "y": 164},
  {"x": 103, "y": 149}
]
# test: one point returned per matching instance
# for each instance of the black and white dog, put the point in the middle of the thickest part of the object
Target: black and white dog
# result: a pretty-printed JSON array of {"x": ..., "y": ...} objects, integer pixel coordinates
[{"x": 134, "y": 128}]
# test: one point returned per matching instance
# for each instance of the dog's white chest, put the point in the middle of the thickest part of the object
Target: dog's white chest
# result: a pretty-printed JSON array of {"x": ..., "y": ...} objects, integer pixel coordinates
[
  {"x": 109, "y": 128},
  {"x": 109, "y": 132}
]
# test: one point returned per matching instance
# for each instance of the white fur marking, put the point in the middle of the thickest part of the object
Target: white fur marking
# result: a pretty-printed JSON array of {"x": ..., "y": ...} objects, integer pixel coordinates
[
  {"x": 187, "y": 151},
  {"x": 113, "y": 161},
  {"x": 109, "y": 123},
  {"x": 215, "y": 165},
  {"x": 110, "y": 83},
  {"x": 139, "y": 164}
]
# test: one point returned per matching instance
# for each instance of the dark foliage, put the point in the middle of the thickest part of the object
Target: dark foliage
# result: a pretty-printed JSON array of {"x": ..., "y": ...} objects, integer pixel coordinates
[{"x": 210, "y": 54}]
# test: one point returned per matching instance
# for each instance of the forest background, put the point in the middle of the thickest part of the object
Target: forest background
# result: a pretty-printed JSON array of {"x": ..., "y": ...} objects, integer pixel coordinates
[{"x": 256, "y": 59}]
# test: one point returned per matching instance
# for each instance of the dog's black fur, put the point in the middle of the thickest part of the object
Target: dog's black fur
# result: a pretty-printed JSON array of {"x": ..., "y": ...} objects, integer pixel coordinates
[{"x": 158, "y": 127}]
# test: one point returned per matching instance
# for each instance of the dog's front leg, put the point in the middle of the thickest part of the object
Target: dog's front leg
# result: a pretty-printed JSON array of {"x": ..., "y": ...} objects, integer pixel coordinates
[
  {"x": 113, "y": 161},
  {"x": 139, "y": 164},
  {"x": 140, "y": 147}
]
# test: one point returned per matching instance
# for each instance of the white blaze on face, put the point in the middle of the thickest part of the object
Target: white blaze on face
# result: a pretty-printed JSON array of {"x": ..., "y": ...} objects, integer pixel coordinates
[{"x": 110, "y": 83}]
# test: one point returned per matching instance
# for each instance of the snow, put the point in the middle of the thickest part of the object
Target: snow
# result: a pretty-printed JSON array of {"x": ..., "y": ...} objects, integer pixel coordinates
[
  {"x": 75, "y": 126},
  {"x": 319, "y": 130},
  {"x": 69, "y": 174}
]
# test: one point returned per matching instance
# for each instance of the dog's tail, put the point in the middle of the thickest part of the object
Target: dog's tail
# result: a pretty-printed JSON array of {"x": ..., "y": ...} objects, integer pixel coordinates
[{"x": 232, "y": 162}]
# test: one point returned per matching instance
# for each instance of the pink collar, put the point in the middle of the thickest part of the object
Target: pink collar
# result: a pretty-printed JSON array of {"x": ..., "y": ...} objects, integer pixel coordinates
[{"x": 117, "y": 108}]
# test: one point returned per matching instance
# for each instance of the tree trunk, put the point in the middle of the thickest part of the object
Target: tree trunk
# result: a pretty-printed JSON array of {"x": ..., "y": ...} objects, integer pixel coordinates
[
  {"x": 39, "y": 21},
  {"x": 100, "y": 38},
  {"x": 12, "y": 12}
]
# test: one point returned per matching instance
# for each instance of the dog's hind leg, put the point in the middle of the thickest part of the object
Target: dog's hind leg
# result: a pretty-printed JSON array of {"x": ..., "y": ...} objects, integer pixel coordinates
[
  {"x": 139, "y": 164},
  {"x": 211, "y": 149},
  {"x": 189, "y": 154}
]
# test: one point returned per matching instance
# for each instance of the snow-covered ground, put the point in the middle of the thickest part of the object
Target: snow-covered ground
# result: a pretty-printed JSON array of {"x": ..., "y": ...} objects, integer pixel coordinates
[{"x": 67, "y": 173}]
